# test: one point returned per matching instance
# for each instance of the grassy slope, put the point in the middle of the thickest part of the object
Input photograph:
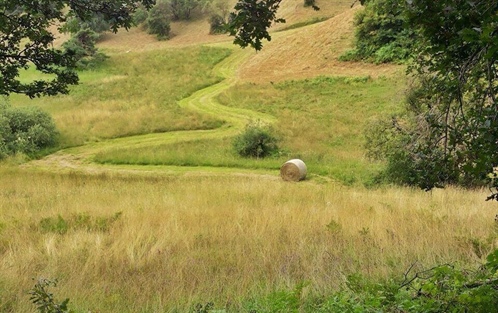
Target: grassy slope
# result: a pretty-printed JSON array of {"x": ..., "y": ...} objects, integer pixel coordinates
[{"x": 134, "y": 93}]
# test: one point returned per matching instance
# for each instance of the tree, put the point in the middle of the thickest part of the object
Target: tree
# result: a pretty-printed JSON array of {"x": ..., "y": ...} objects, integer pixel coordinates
[
  {"x": 96, "y": 23},
  {"x": 251, "y": 19},
  {"x": 450, "y": 134},
  {"x": 82, "y": 47},
  {"x": 157, "y": 22},
  {"x": 250, "y": 22},
  {"x": 182, "y": 9},
  {"x": 26, "y": 40},
  {"x": 219, "y": 11},
  {"x": 381, "y": 33}
]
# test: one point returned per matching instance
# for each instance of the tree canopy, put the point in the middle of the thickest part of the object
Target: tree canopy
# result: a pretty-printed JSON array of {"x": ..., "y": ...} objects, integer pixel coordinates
[
  {"x": 26, "y": 40},
  {"x": 450, "y": 132}
]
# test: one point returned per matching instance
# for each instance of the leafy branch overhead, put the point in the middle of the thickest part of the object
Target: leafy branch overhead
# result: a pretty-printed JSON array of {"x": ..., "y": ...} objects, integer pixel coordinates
[
  {"x": 26, "y": 40},
  {"x": 251, "y": 20}
]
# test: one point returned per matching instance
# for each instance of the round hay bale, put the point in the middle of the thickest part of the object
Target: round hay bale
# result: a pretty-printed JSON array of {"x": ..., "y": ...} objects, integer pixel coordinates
[{"x": 293, "y": 170}]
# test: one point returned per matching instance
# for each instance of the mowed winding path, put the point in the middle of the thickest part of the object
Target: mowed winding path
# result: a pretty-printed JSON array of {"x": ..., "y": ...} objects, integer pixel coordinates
[
  {"x": 295, "y": 54},
  {"x": 203, "y": 101}
]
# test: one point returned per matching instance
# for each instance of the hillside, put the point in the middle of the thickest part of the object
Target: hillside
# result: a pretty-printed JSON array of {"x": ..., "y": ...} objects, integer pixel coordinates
[
  {"x": 292, "y": 54},
  {"x": 145, "y": 117}
]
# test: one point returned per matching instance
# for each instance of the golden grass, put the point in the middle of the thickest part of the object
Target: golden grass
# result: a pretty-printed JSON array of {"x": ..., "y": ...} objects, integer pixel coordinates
[{"x": 194, "y": 238}]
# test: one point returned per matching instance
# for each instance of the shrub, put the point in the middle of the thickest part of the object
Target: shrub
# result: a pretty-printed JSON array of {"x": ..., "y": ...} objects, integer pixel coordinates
[
  {"x": 25, "y": 130},
  {"x": 381, "y": 34},
  {"x": 257, "y": 141},
  {"x": 82, "y": 46},
  {"x": 309, "y": 3},
  {"x": 217, "y": 24},
  {"x": 158, "y": 21},
  {"x": 140, "y": 15}
]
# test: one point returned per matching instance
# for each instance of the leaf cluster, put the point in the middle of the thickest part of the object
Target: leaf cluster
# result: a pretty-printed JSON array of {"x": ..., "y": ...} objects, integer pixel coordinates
[
  {"x": 25, "y": 130},
  {"x": 250, "y": 21},
  {"x": 381, "y": 33},
  {"x": 44, "y": 300},
  {"x": 26, "y": 40}
]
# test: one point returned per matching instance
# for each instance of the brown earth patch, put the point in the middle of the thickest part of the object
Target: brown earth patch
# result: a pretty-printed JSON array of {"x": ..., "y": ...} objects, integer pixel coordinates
[{"x": 309, "y": 52}]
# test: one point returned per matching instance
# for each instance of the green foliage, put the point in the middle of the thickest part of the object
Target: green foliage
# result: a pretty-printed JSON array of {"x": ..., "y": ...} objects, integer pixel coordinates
[
  {"x": 158, "y": 21},
  {"x": 82, "y": 47},
  {"x": 182, "y": 9},
  {"x": 450, "y": 133},
  {"x": 25, "y": 130},
  {"x": 308, "y": 3},
  {"x": 95, "y": 23},
  {"x": 217, "y": 24},
  {"x": 80, "y": 221},
  {"x": 381, "y": 33},
  {"x": 248, "y": 30},
  {"x": 444, "y": 288},
  {"x": 140, "y": 15},
  {"x": 44, "y": 300},
  {"x": 25, "y": 39},
  {"x": 218, "y": 11},
  {"x": 257, "y": 141},
  {"x": 311, "y": 3}
]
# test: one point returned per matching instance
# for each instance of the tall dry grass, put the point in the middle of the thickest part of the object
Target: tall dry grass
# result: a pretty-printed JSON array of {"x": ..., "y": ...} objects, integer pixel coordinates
[{"x": 192, "y": 238}]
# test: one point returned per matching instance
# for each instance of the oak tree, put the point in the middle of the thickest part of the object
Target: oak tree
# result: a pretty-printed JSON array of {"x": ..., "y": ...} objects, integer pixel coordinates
[{"x": 27, "y": 36}]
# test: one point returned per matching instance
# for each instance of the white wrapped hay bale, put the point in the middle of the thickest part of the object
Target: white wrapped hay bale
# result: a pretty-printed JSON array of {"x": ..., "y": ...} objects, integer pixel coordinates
[{"x": 293, "y": 170}]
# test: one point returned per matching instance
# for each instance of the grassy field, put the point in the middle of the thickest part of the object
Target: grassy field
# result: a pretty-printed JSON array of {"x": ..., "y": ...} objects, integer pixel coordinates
[
  {"x": 134, "y": 93},
  {"x": 132, "y": 243},
  {"x": 320, "y": 120},
  {"x": 149, "y": 209}
]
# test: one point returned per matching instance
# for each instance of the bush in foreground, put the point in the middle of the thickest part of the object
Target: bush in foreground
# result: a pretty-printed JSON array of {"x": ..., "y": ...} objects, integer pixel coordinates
[
  {"x": 257, "y": 141},
  {"x": 25, "y": 130}
]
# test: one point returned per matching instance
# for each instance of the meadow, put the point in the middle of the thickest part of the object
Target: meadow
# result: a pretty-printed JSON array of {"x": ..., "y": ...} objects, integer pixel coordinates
[
  {"x": 146, "y": 208},
  {"x": 160, "y": 243},
  {"x": 131, "y": 94},
  {"x": 321, "y": 120}
]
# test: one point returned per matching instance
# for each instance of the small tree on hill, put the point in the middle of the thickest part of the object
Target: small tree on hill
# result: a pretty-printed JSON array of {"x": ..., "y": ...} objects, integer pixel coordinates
[
  {"x": 381, "y": 33},
  {"x": 158, "y": 22},
  {"x": 219, "y": 11}
]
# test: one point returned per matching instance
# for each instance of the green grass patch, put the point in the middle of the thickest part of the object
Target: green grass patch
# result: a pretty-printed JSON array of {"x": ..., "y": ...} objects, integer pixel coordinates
[
  {"x": 320, "y": 121},
  {"x": 305, "y": 23},
  {"x": 134, "y": 93},
  {"x": 209, "y": 152}
]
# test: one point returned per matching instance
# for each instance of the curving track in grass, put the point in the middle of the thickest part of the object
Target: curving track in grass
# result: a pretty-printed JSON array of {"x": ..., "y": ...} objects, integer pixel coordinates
[{"x": 203, "y": 101}]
